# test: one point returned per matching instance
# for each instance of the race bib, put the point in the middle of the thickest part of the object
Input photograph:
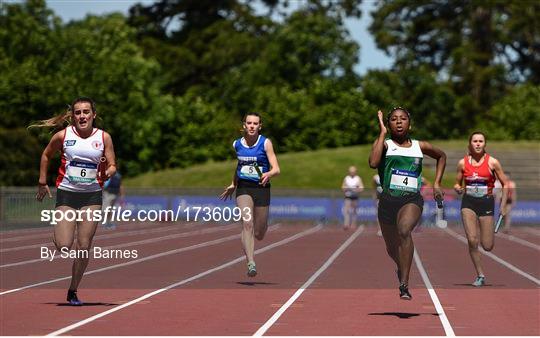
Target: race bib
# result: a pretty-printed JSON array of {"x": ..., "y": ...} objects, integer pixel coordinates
[
  {"x": 404, "y": 180},
  {"x": 80, "y": 172},
  {"x": 251, "y": 171},
  {"x": 477, "y": 190}
]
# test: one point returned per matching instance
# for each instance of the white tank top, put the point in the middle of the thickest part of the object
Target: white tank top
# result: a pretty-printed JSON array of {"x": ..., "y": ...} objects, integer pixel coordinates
[
  {"x": 80, "y": 161},
  {"x": 352, "y": 182}
]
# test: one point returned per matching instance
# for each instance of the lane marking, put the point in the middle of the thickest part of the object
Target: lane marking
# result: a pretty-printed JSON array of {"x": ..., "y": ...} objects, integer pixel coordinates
[
  {"x": 262, "y": 330},
  {"x": 141, "y": 242},
  {"x": 531, "y": 230},
  {"x": 46, "y": 232},
  {"x": 519, "y": 241},
  {"x": 116, "y": 266},
  {"x": 495, "y": 258},
  {"x": 182, "y": 282},
  {"x": 105, "y": 236},
  {"x": 434, "y": 298}
]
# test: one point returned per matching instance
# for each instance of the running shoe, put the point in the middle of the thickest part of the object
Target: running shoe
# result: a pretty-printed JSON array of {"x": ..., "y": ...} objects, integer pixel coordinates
[
  {"x": 479, "y": 281},
  {"x": 404, "y": 292},
  {"x": 252, "y": 270},
  {"x": 72, "y": 298}
]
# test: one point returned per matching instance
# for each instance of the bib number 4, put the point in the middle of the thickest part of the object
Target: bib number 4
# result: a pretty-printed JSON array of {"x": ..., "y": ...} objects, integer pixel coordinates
[{"x": 404, "y": 180}]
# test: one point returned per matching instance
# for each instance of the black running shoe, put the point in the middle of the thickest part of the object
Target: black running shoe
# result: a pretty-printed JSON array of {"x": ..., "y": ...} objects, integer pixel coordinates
[
  {"x": 72, "y": 298},
  {"x": 404, "y": 292}
]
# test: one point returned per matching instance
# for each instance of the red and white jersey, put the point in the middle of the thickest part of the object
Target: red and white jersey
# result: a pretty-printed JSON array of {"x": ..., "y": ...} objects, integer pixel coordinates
[
  {"x": 479, "y": 180},
  {"x": 81, "y": 158}
]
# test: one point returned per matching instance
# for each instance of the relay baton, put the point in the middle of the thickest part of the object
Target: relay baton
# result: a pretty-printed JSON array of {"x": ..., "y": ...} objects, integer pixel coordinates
[
  {"x": 439, "y": 220},
  {"x": 258, "y": 170},
  {"x": 499, "y": 223}
]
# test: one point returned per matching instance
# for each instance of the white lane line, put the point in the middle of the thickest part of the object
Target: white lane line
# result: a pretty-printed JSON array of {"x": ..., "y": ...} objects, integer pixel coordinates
[
  {"x": 495, "y": 258},
  {"x": 262, "y": 330},
  {"x": 141, "y": 242},
  {"x": 531, "y": 230},
  {"x": 519, "y": 241},
  {"x": 105, "y": 236},
  {"x": 116, "y": 266},
  {"x": 438, "y": 306},
  {"x": 46, "y": 232},
  {"x": 182, "y": 282}
]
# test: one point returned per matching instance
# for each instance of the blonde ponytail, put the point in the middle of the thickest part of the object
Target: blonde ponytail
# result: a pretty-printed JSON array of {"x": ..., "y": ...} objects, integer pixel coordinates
[{"x": 57, "y": 121}]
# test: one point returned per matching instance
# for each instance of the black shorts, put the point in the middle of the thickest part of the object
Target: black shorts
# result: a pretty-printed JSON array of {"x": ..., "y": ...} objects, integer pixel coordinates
[
  {"x": 389, "y": 206},
  {"x": 351, "y": 196},
  {"x": 77, "y": 200},
  {"x": 482, "y": 206},
  {"x": 260, "y": 194}
]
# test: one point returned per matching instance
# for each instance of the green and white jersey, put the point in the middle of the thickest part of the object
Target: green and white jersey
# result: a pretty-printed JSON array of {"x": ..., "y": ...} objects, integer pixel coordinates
[{"x": 401, "y": 169}]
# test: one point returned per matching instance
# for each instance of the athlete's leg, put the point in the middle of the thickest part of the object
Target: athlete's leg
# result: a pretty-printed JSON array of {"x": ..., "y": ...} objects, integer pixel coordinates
[
  {"x": 261, "y": 221},
  {"x": 245, "y": 203},
  {"x": 407, "y": 218},
  {"x": 64, "y": 230},
  {"x": 486, "y": 232},
  {"x": 85, "y": 233},
  {"x": 347, "y": 213},
  {"x": 353, "y": 207},
  {"x": 470, "y": 223},
  {"x": 508, "y": 218},
  {"x": 391, "y": 239},
  {"x": 379, "y": 229}
]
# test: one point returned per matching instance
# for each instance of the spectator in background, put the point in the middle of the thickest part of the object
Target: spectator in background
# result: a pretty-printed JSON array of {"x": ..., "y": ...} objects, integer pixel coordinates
[
  {"x": 352, "y": 186},
  {"x": 112, "y": 191}
]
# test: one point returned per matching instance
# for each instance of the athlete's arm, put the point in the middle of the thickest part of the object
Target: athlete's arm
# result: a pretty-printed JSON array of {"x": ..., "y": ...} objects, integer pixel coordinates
[
  {"x": 360, "y": 185},
  {"x": 110, "y": 156},
  {"x": 440, "y": 156},
  {"x": 55, "y": 144},
  {"x": 458, "y": 187},
  {"x": 272, "y": 158},
  {"x": 378, "y": 146},
  {"x": 227, "y": 193},
  {"x": 497, "y": 168},
  {"x": 343, "y": 185}
]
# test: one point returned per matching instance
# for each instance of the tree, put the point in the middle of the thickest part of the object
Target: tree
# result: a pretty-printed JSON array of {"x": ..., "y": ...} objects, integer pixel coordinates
[
  {"x": 479, "y": 47},
  {"x": 516, "y": 116}
]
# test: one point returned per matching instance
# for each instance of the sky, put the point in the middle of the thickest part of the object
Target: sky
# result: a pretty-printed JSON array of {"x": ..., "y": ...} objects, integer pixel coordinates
[{"x": 370, "y": 56}]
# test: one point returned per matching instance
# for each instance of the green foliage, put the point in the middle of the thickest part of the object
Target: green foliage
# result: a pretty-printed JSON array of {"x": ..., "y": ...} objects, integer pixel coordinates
[
  {"x": 480, "y": 47},
  {"x": 183, "y": 132},
  {"x": 173, "y": 80},
  {"x": 432, "y": 105},
  {"x": 516, "y": 116},
  {"x": 18, "y": 169}
]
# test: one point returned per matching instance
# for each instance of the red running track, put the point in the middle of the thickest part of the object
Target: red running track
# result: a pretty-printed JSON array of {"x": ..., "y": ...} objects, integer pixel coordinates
[{"x": 355, "y": 295}]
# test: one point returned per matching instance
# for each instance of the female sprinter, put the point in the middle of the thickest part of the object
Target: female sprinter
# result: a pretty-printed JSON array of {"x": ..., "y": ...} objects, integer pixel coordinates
[
  {"x": 79, "y": 182},
  {"x": 399, "y": 162},
  {"x": 257, "y": 163},
  {"x": 478, "y": 170}
]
